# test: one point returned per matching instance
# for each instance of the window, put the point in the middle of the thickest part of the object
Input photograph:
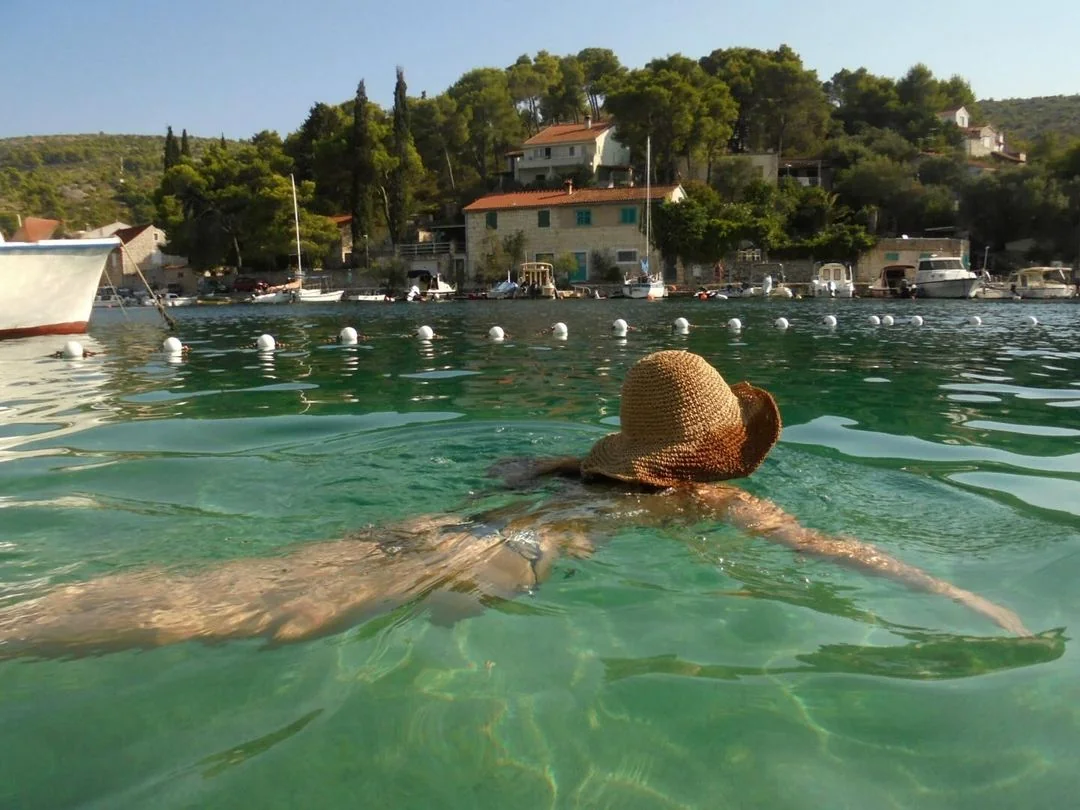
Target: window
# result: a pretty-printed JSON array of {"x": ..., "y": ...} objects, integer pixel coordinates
[
  {"x": 628, "y": 216},
  {"x": 543, "y": 219},
  {"x": 492, "y": 220},
  {"x": 584, "y": 216},
  {"x": 547, "y": 152},
  {"x": 571, "y": 151},
  {"x": 626, "y": 256},
  {"x": 545, "y": 257},
  {"x": 892, "y": 257}
]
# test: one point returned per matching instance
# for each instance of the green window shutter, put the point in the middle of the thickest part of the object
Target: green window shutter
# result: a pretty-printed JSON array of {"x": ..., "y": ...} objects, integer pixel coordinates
[
  {"x": 584, "y": 216},
  {"x": 628, "y": 216},
  {"x": 543, "y": 219},
  {"x": 492, "y": 220}
]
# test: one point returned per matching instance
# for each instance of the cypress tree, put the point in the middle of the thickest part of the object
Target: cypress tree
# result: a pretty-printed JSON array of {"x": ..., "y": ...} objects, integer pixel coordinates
[
  {"x": 399, "y": 192},
  {"x": 362, "y": 160},
  {"x": 185, "y": 147},
  {"x": 172, "y": 150}
]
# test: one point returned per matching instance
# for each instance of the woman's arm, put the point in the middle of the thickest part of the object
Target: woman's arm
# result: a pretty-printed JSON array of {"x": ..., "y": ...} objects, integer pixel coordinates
[{"x": 766, "y": 519}]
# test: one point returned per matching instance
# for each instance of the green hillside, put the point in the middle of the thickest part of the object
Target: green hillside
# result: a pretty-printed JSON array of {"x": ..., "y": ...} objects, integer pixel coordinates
[
  {"x": 78, "y": 178},
  {"x": 1027, "y": 118}
]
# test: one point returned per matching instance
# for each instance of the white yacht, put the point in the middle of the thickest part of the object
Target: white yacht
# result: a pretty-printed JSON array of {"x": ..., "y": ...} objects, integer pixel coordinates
[
  {"x": 1041, "y": 282},
  {"x": 833, "y": 280},
  {"x": 429, "y": 286},
  {"x": 945, "y": 277}
]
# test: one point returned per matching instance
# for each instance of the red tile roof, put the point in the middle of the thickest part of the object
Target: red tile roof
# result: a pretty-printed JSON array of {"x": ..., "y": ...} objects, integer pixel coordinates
[
  {"x": 35, "y": 229},
  {"x": 340, "y": 219},
  {"x": 581, "y": 196},
  {"x": 569, "y": 133}
]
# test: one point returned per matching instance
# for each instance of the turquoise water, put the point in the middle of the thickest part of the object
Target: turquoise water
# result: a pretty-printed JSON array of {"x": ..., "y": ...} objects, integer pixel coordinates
[{"x": 669, "y": 670}]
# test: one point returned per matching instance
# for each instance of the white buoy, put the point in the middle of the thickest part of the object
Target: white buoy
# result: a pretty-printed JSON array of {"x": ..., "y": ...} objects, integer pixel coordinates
[
  {"x": 734, "y": 324},
  {"x": 265, "y": 343},
  {"x": 681, "y": 325},
  {"x": 781, "y": 323},
  {"x": 347, "y": 336},
  {"x": 425, "y": 333},
  {"x": 975, "y": 320},
  {"x": 1031, "y": 320},
  {"x": 619, "y": 327},
  {"x": 560, "y": 331},
  {"x": 874, "y": 320},
  {"x": 72, "y": 350},
  {"x": 887, "y": 320},
  {"x": 829, "y": 320},
  {"x": 496, "y": 333},
  {"x": 172, "y": 345},
  {"x": 916, "y": 320}
]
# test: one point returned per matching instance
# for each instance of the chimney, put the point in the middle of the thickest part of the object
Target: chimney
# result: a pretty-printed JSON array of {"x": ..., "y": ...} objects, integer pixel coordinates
[
  {"x": 588, "y": 121},
  {"x": 569, "y": 185}
]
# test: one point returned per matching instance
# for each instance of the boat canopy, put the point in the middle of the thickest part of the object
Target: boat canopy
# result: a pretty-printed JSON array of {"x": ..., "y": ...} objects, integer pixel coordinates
[{"x": 536, "y": 273}]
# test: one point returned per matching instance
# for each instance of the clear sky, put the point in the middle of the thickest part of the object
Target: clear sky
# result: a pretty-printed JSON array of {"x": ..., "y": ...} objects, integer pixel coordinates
[{"x": 240, "y": 66}]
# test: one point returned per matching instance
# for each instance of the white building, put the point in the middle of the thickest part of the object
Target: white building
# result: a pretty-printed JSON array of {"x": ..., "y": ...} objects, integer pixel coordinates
[{"x": 562, "y": 150}]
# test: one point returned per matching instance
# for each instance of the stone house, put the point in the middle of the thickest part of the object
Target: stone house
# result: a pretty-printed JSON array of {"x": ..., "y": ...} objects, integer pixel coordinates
[
  {"x": 568, "y": 221},
  {"x": 562, "y": 150},
  {"x": 143, "y": 250}
]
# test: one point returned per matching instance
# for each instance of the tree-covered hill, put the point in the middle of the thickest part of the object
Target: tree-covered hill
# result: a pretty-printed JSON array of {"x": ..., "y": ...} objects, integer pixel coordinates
[
  {"x": 1028, "y": 118},
  {"x": 85, "y": 180}
]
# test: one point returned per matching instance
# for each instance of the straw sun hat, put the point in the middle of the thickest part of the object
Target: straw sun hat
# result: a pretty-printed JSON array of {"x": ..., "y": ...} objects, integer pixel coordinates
[{"x": 680, "y": 423}]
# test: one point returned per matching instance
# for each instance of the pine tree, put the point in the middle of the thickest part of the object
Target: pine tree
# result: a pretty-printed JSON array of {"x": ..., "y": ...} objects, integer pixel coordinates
[
  {"x": 222, "y": 143},
  {"x": 185, "y": 147},
  {"x": 362, "y": 159},
  {"x": 399, "y": 192},
  {"x": 172, "y": 150}
]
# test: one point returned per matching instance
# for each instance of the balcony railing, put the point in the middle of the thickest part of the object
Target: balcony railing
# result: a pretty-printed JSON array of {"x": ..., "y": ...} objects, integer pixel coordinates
[{"x": 415, "y": 250}]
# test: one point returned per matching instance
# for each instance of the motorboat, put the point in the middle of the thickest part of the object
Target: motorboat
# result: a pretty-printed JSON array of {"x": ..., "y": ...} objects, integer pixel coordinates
[
  {"x": 894, "y": 281},
  {"x": 504, "y": 289},
  {"x": 1041, "y": 282},
  {"x": 369, "y": 295},
  {"x": 536, "y": 280},
  {"x": 945, "y": 277},
  {"x": 428, "y": 286},
  {"x": 49, "y": 285},
  {"x": 770, "y": 289},
  {"x": 176, "y": 300},
  {"x": 307, "y": 295},
  {"x": 644, "y": 285},
  {"x": 833, "y": 280},
  {"x": 107, "y": 299},
  {"x": 273, "y": 296}
]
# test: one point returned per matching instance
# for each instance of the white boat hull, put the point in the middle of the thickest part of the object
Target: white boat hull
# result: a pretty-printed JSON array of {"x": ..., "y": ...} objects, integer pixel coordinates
[
  {"x": 821, "y": 290},
  {"x": 272, "y": 298},
  {"x": 319, "y": 297},
  {"x": 49, "y": 286},
  {"x": 1043, "y": 293},
  {"x": 638, "y": 289},
  {"x": 949, "y": 288}
]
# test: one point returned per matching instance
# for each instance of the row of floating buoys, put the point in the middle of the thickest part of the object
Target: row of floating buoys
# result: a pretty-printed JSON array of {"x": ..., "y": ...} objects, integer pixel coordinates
[{"x": 349, "y": 336}]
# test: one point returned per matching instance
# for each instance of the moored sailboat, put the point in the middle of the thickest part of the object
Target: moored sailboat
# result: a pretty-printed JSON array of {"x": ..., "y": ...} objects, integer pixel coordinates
[{"x": 646, "y": 284}]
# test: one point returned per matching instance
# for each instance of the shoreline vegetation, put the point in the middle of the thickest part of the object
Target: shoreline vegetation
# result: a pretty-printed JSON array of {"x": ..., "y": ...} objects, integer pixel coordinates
[{"x": 894, "y": 165}]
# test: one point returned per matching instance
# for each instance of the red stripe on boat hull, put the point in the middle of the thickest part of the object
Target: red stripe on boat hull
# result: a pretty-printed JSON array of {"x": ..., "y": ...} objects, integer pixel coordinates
[{"x": 72, "y": 328}]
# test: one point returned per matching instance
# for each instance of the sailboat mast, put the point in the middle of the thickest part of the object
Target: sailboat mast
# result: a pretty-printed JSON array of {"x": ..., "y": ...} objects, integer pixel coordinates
[
  {"x": 296, "y": 220},
  {"x": 648, "y": 198}
]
